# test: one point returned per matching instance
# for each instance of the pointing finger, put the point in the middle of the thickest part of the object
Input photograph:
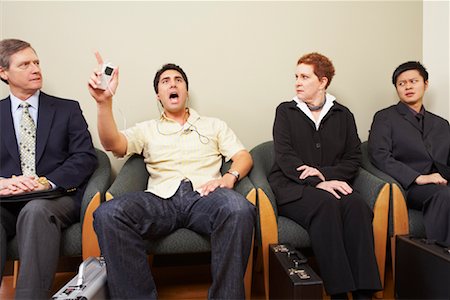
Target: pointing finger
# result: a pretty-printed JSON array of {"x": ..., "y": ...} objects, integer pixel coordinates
[{"x": 99, "y": 58}]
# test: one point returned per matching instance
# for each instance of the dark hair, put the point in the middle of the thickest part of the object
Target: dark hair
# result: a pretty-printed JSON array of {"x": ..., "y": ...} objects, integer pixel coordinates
[
  {"x": 323, "y": 67},
  {"x": 8, "y": 47},
  {"x": 165, "y": 68},
  {"x": 410, "y": 65}
]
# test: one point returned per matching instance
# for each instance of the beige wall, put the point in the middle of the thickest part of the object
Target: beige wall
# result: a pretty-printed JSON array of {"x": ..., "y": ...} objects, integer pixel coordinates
[
  {"x": 239, "y": 56},
  {"x": 436, "y": 51}
]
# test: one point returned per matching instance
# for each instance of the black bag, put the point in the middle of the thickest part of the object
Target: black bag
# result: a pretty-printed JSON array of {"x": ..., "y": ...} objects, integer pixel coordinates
[
  {"x": 89, "y": 284},
  {"x": 47, "y": 194},
  {"x": 290, "y": 277},
  {"x": 422, "y": 269}
]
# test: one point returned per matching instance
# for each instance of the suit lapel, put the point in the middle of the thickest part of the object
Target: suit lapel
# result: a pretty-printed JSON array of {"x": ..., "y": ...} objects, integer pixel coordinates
[
  {"x": 46, "y": 113},
  {"x": 7, "y": 130}
]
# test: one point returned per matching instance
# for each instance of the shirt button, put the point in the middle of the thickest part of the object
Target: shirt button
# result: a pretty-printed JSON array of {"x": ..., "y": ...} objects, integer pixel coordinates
[{"x": 318, "y": 145}]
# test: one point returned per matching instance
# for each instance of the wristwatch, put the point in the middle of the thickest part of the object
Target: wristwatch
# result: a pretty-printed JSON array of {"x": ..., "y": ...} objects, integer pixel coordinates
[
  {"x": 235, "y": 174},
  {"x": 43, "y": 181}
]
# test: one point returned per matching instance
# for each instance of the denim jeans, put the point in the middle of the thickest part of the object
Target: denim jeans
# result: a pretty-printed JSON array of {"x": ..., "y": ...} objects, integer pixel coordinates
[{"x": 123, "y": 224}]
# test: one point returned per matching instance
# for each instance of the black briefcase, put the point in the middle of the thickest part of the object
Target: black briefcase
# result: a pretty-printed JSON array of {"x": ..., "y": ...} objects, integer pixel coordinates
[
  {"x": 422, "y": 269},
  {"x": 290, "y": 277}
]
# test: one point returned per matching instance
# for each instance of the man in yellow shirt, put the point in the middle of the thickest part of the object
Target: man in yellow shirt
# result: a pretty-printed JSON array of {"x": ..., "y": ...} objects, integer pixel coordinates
[{"x": 183, "y": 153}]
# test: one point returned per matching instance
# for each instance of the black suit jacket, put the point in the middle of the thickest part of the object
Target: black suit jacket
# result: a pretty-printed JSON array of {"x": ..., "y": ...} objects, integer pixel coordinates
[
  {"x": 64, "y": 149},
  {"x": 334, "y": 149},
  {"x": 398, "y": 147}
]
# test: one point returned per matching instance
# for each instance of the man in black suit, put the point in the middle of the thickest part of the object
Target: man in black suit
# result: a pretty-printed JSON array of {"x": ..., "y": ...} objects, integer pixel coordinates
[
  {"x": 60, "y": 155},
  {"x": 413, "y": 146}
]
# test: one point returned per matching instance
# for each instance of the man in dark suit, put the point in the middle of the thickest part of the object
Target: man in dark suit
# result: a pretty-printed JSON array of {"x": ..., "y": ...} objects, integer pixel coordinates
[
  {"x": 60, "y": 156},
  {"x": 413, "y": 146}
]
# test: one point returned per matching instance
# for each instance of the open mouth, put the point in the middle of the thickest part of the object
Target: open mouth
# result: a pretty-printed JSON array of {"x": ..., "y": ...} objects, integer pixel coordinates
[{"x": 173, "y": 95}]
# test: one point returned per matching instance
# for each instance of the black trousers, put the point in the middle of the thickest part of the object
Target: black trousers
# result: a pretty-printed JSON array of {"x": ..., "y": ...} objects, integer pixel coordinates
[
  {"x": 341, "y": 236},
  {"x": 434, "y": 202}
]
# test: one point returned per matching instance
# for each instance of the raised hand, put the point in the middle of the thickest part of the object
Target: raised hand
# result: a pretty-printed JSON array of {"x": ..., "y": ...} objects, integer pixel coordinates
[{"x": 94, "y": 81}]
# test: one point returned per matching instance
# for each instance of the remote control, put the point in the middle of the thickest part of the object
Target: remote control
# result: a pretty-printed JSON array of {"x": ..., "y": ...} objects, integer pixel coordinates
[{"x": 107, "y": 71}]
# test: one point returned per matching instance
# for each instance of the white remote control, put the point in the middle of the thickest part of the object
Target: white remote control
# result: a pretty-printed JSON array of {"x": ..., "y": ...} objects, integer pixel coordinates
[{"x": 107, "y": 71}]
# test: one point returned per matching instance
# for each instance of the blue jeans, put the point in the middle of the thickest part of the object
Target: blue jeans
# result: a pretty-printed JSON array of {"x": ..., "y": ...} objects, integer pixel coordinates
[{"x": 123, "y": 224}]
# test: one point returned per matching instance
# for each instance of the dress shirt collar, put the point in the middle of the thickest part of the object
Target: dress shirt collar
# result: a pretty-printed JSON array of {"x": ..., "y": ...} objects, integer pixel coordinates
[
  {"x": 33, "y": 101},
  {"x": 325, "y": 109},
  {"x": 193, "y": 117},
  {"x": 415, "y": 113}
]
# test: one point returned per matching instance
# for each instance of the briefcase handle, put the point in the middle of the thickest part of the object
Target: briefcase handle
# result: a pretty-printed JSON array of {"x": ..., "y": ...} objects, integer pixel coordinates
[{"x": 82, "y": 269}]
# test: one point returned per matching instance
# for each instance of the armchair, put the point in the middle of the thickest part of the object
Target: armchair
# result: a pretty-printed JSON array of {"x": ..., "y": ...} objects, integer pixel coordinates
[
  {"x": 278, "y": 229},
  {"x": 79, "y": 238},
  {"x": 133, "y": 177},
  {"x": 402, "y": 220}
]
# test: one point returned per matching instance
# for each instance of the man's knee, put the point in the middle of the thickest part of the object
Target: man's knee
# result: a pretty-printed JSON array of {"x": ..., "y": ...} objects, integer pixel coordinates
[
  {"x": 33, "y": 211},
  {"x": 104, "y": 214},
  {"x": 238, "y": 207},
  {"x": 440, "y": 200}
]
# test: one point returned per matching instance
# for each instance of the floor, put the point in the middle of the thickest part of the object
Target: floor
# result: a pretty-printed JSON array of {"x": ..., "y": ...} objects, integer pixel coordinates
[{"x": 174, "y": 281}]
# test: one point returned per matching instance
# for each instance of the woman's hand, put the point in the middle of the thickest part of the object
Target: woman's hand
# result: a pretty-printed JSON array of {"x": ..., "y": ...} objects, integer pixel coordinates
[
  {"x": 309, "y": 171},
  {"x": 334, "y": 186}
]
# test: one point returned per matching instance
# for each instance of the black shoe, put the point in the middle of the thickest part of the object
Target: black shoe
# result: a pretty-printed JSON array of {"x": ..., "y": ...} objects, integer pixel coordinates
[
  {"x": 362, "y": 294},
  {"x": 339, "y": 296}
]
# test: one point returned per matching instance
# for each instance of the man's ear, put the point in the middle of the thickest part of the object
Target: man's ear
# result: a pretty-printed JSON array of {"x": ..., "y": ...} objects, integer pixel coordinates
[
  {"x": 3, "y": 74},
  {"x": 426, "y": 85}
]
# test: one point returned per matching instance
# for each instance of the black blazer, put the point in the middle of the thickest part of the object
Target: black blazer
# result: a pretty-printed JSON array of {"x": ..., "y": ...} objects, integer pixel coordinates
[
  {"x": 64, "y": 150},
  {"x": 334, "y": 149},
  {"x": 398, "y": 147}
]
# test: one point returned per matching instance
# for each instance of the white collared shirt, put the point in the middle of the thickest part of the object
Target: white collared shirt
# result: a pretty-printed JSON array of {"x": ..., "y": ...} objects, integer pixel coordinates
[
  {"x": 325, "y": 109},
  {"x": 16, "y": 111}
]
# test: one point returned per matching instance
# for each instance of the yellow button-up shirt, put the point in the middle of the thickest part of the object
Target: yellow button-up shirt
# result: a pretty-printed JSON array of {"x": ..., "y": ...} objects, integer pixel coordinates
[{"x": 173, "y": 152}]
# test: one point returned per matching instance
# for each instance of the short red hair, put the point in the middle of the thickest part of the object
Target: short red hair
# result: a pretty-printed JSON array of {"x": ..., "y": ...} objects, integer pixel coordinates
[{"x": 323, "y": 67}]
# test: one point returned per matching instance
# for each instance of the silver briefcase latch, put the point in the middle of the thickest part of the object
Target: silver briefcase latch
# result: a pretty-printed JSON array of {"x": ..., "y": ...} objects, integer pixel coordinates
[{"x": 299, "y": 272}]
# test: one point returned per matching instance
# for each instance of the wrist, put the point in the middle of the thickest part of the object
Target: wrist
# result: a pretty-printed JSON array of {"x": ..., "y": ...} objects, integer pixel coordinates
[
  {"x": 234, "y": 175},
  {"x": 44, "y": 182}
]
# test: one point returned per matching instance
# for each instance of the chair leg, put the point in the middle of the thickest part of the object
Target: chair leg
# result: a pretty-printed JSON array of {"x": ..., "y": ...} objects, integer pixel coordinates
[
  {"x": 269, "y": 233},
  {"x": 16, "y": 272},
  {"x": 380, "y": 232},
  {"x": 400, "y": 220},
  {"x": 249, "y": 272}
]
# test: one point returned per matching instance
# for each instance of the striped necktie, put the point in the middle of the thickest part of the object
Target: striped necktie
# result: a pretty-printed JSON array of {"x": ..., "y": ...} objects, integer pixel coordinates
[{"x": 27, "y": 142}]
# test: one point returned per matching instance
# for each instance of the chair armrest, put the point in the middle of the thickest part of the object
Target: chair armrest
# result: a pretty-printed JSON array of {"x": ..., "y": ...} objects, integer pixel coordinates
[
  {"x": 98, "y": 183},
  {"x": 246, "y": 188},
  {"x": 376, "y": 193},
  {"x": 89, "y": 241},
  {"x": 369, "y": 187},
  {"x": 368, "y": 166},
  {"x": 399, "y": 211},
  {"x": 132, "y": 177}
]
